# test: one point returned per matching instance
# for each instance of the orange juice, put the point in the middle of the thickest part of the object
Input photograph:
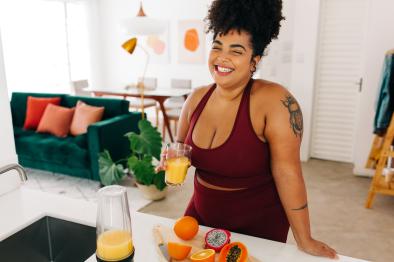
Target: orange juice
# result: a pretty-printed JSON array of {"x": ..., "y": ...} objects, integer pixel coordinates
[
  {"x": 176, "y": 170},
  {"x": 114, "y": 245}
]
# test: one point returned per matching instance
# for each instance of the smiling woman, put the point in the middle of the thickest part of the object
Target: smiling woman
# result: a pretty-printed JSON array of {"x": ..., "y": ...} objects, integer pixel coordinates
[{"x": 246, "y": 134}]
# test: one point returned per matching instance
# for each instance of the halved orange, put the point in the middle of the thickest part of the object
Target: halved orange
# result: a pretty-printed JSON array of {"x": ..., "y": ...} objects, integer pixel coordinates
[
  {"x": 205, "y": 255},
  {"x": 178, "y": 251}
]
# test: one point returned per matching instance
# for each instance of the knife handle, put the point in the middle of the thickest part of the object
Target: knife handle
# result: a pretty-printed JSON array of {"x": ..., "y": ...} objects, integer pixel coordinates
[{"x": 157, "y": 236}]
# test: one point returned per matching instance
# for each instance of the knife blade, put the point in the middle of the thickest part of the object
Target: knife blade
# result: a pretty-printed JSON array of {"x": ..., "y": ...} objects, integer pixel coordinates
[{"x": 161, "y": 247}]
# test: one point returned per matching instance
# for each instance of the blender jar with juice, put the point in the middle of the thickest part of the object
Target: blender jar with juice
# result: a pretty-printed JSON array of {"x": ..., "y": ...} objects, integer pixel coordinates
[{"x": 114, "y": 241}]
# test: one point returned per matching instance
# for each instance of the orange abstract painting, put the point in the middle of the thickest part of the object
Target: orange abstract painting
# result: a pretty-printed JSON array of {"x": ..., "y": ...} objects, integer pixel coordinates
[{"x": 191, "y": 40}]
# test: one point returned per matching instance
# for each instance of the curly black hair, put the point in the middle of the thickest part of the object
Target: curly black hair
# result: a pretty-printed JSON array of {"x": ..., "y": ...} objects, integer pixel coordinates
[{"x": 260, "y": 18}]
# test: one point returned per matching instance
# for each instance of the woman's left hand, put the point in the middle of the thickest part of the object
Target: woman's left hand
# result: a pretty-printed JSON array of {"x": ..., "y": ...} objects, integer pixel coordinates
[{"x": 317, "y": 248}]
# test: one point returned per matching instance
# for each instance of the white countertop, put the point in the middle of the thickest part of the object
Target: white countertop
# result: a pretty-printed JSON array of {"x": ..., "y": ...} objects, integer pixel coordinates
[{"x": 24, "y": 206}]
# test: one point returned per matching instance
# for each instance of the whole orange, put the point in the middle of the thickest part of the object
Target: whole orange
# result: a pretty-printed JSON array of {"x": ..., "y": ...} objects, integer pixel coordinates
[
  {"x": 178, "y": 251},
  {"x": 186, "y": 227}
]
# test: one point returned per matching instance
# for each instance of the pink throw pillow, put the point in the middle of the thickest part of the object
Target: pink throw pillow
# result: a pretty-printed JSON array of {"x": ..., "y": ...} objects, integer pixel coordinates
[
  {"x": 56, "y": 120},
  {"x": 84, "y": 116}
]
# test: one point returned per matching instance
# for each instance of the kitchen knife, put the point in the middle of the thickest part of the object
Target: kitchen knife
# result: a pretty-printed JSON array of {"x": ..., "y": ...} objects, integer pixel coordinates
[{"x": 161, "y": 247}]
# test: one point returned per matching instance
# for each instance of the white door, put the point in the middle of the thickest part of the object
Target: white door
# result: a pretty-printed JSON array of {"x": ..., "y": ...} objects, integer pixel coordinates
[{"x": 338, "y": 79}]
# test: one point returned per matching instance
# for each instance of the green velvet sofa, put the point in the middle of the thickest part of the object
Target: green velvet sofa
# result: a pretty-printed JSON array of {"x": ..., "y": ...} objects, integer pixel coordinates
[{"x": 76, "y": 156}]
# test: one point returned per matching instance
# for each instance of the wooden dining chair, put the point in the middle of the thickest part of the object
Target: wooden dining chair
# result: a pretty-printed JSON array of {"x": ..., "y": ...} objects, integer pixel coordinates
[
  {"x": 78, "y": 88},
  {"x": 177, "y": 102}
]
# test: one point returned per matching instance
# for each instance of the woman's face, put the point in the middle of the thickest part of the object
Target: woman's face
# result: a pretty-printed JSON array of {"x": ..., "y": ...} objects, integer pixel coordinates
[{"x": 230, "y": 60}]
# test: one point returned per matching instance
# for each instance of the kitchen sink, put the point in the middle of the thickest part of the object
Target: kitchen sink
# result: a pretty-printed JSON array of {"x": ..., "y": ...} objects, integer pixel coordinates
[{"x": 50, "y": 239}]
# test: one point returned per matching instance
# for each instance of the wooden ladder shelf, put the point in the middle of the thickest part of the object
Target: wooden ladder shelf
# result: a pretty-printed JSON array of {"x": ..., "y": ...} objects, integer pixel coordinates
[{"x": 380, "y": 151}]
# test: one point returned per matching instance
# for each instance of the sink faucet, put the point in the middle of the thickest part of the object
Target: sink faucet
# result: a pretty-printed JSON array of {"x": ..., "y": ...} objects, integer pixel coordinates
[{"x": 21, "y": 171}]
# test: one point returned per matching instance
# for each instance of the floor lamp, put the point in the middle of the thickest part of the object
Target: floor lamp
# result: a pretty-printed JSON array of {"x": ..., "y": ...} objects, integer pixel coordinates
[{"x": 143, "y": 26}]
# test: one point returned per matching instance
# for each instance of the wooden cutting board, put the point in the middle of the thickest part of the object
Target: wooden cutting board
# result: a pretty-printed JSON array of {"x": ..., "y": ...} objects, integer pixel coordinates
[{"x": 197, "y": 243}]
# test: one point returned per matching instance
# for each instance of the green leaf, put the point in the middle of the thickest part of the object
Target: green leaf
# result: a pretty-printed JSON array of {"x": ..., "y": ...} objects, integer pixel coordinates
[
  {"x": 147, "y": 142},
  {"x": 110, "y": 173},
  {"x": 132, "y": 162},
  {"x": 143, "y": 170},
  {"x": 159, "y": 180}
]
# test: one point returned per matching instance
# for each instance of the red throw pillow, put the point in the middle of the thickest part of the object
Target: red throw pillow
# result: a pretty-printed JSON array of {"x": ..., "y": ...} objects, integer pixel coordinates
[
  {"x": 35, "y": 109},
  {"x": 56, "y": 120},
  {"x": 84, "y": 116}
]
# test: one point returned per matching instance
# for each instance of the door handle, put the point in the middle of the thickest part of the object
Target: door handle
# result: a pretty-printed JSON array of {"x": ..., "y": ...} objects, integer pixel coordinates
[{"x": 360, "y": 85}]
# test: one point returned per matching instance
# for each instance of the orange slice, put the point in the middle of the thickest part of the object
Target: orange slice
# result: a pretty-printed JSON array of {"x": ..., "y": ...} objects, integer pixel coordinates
[
  {"x": 205, "y": 255},
  {"x": 178, "y": 251}
]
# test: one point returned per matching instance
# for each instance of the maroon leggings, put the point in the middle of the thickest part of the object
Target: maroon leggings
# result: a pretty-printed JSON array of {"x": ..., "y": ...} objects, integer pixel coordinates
[{"x": 257, "y": 211}]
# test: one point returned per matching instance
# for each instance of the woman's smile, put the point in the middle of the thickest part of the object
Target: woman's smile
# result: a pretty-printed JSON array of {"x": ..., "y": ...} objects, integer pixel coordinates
[{"x": 223, "y": 70}]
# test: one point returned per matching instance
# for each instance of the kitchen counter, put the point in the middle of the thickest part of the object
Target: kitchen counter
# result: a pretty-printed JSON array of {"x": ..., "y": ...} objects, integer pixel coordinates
[{"x": 23, "y": 206}]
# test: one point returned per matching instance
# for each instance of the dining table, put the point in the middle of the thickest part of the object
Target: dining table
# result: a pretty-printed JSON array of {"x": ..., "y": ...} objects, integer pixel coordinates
[{"x": 160, "y": 95}]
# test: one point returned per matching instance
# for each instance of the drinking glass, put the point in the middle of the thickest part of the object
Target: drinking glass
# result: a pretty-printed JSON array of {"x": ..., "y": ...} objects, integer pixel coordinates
[
  {"x": 114, "y": 236},
  {"x": 177, "y": 163}
]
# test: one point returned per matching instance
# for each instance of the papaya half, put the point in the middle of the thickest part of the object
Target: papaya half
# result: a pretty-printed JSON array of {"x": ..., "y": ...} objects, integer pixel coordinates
[{"x": 234, "y": 252}]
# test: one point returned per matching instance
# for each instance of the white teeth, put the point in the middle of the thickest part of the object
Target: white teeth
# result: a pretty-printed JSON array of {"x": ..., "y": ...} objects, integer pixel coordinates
[{"x": 224, "y": 69}]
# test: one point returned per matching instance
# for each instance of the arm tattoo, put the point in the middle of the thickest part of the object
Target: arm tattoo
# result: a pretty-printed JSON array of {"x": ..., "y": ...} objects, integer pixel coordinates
[
  {"x": 295, "y": 115},
  {"x": 300, "y": 208}
]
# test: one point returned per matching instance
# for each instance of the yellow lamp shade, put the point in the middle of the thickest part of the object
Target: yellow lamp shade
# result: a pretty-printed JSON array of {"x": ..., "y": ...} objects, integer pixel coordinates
[{"x": 130, "y": 45}]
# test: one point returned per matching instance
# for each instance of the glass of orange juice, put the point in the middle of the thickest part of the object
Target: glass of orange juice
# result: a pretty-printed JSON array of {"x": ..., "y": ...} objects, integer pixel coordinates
[
  {"x": 114, "y": 241},
  {"x": 177, "y": 163}
]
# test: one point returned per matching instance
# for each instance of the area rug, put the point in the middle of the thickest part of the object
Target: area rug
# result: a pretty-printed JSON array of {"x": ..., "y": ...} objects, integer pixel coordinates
[{"x": 77, "y": 188}]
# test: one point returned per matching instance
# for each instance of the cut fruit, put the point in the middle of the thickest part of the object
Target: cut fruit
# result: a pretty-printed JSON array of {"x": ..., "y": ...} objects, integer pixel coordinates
[
  {"x": 186, "y": 227},
  {"x": 216, "y": 239},
  {"x": 178, "y": 251},
  {"x": 205, "y": 255},
  {"x": 234, "y": 252}
]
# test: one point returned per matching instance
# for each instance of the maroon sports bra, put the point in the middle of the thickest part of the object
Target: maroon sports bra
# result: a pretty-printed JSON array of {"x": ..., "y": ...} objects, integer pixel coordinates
[{"x": 243, "y": 160}]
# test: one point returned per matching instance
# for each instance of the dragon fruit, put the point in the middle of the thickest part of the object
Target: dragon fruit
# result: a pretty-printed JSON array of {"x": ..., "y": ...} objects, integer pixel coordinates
[{"x": 217, "y": 239}]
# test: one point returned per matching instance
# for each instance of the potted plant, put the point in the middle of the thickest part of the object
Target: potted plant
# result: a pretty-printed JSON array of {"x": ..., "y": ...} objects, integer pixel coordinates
[{"x": 145, "y": 152}]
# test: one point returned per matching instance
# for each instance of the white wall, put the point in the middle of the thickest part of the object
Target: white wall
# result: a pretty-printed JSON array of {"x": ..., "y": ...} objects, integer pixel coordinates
[
  {"x": 120, "y": 68},
  {"x": 7, "y": 148},
  {"x": 380, "y": 38},
  {"x": 306, "y": 29},
  {"x": 278, "y": 62}
]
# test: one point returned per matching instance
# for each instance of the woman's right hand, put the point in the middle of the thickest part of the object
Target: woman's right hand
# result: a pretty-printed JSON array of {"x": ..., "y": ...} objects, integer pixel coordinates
[
  {"x": 317, "y": 248},
  {"x": 162, "y": 164}
]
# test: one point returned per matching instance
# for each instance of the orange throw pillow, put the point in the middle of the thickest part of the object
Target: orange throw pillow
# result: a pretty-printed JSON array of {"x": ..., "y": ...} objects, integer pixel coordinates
[
  {"x": 56, "y": 120},
  {"x": 84, "y": 116},
  {"x": 35, "y": 108}
]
